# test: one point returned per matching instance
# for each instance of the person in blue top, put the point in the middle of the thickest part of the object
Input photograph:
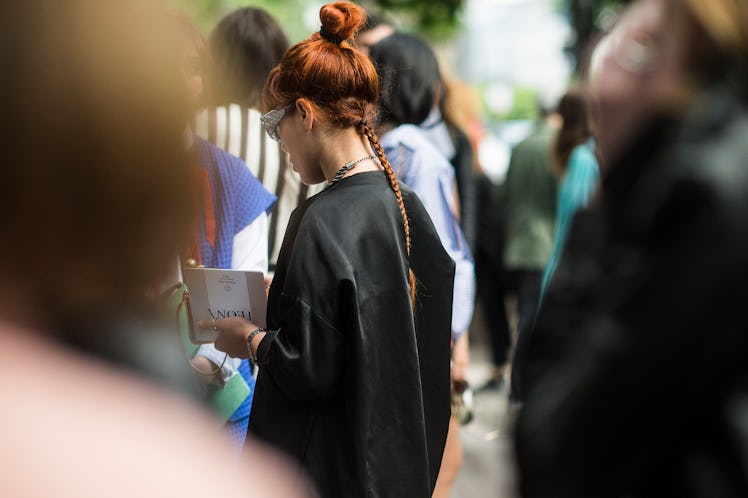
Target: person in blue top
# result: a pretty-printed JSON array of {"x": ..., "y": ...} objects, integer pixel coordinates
[{"x": 575, "y": 164}]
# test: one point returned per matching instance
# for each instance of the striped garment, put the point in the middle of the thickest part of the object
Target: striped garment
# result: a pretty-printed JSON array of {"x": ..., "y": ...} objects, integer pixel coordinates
[{"x": 237, "y": 130}]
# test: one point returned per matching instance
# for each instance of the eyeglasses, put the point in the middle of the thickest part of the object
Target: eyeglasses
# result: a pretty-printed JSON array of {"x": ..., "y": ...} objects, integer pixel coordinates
[
  {"x": 636, "y": 52},
  {"x": 272, "y": 119}
]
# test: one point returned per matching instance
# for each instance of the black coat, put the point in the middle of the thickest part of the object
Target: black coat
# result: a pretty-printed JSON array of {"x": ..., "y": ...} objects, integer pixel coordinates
[
  {"x": 467, "y": 185},
  {"x": 638, "y": 370},
  {"x": 350, "y": 384}
]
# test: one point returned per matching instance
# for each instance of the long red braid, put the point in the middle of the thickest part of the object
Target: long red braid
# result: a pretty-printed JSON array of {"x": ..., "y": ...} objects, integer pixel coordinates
[{"x": 395, "y": 186}]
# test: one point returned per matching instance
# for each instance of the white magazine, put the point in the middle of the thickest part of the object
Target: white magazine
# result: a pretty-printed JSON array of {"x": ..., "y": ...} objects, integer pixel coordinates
[{"x": 217, "y": 293}]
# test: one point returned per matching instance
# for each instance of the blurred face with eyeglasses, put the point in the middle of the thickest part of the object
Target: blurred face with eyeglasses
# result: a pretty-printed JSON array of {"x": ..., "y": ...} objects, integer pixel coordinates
[{"x": 637, "y": 71}]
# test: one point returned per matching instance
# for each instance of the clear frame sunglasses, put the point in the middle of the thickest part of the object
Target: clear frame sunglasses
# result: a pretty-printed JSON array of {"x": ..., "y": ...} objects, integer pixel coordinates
[
  {"x": 636, "y": 52},
  {"x": 270, "y": 121}
]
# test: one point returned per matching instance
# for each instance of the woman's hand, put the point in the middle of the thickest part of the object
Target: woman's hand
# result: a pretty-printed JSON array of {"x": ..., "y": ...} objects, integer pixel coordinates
[{"x": 233, "y": 333}]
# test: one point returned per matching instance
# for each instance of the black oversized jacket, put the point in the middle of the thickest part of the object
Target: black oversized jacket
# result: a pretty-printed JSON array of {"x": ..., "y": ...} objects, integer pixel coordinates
[
  {"x": 638, "y": 371},
  {"x": 350, "y": 383}
]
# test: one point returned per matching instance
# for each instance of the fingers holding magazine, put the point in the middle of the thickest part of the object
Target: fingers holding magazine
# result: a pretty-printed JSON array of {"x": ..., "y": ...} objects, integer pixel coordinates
[
  {"x": 229, "y": 297},
  {"x": 237, "y": 337}
]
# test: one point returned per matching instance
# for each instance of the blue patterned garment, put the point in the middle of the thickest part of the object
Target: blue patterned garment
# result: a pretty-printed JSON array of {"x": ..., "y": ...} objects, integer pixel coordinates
[
  {"x": 239, "y": 421},
  {"x": 238, "y": 199}
]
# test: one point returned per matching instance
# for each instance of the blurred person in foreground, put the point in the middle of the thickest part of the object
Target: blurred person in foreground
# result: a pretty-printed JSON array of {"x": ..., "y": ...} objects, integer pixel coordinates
[
  {"x": 409, "y": 75},
  {"x": 638, "y": 382},
  {"x": 97, "y": 205},
  {"x": 354, "y": 367}
]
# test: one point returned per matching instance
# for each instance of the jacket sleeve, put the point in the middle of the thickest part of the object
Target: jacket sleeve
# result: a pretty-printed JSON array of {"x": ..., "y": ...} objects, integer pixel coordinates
[{"x": 301, "y": 361}]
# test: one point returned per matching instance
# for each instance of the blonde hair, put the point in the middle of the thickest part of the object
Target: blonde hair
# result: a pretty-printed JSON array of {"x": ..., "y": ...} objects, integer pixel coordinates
[{"x": 726, "y": 21}]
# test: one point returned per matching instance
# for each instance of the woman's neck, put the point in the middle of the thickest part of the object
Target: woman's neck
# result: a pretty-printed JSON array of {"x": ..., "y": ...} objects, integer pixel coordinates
[{"x": 344, "y": 147}]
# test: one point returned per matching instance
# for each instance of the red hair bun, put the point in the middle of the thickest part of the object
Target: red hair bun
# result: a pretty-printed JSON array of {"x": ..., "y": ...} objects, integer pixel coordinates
[{"x": 342, "y": 19}]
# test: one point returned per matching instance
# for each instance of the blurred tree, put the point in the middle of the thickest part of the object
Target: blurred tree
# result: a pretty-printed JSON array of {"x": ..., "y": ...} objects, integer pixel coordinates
[
  {"x": 435, "y": 18},
  {"x": 291, "y": 14}
]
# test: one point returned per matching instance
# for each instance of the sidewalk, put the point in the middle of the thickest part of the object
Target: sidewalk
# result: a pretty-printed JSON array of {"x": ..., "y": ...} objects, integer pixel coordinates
[{"x": 487, "y": 470}]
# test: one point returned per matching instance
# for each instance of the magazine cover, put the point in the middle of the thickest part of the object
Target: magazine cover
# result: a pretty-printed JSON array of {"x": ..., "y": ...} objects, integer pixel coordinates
[{"x": 217, "y": 293}]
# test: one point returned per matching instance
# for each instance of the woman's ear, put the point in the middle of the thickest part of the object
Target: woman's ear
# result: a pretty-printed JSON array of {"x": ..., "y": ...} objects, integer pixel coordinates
[{"x": 306, "y": 112}]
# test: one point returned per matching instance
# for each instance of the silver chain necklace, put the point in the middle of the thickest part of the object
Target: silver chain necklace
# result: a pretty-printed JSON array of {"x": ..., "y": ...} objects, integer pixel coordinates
[{"x": 345, "y": 169}]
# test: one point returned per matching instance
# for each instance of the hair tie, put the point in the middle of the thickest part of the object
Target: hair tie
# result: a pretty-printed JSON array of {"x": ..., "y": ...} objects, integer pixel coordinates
[
  {"x": 361, "y": 123},
  {"x": 329, "y": 36}
]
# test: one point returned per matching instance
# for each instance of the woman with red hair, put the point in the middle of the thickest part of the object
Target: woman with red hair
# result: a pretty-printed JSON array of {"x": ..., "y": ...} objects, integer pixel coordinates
[{"x": 354, "y": 366}]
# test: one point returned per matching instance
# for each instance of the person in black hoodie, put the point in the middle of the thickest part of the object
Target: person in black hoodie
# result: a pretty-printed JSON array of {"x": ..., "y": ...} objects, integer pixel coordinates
[{"x": 637, "y": 379}]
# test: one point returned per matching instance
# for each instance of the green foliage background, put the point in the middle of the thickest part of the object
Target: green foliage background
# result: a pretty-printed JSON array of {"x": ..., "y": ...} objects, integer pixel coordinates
[
  {"x": 289, "y": 13},
  {"x": 437, "y": 20},
  {"x": 433, "y": 18}
]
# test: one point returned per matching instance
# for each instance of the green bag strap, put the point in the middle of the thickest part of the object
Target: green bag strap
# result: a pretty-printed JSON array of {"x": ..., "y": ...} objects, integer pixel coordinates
[{"x": 227, "y": 399}]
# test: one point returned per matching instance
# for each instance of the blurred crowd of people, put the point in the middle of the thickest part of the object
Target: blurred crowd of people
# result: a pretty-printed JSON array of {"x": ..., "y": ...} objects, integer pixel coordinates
[{"x": 344, "y": 167}]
